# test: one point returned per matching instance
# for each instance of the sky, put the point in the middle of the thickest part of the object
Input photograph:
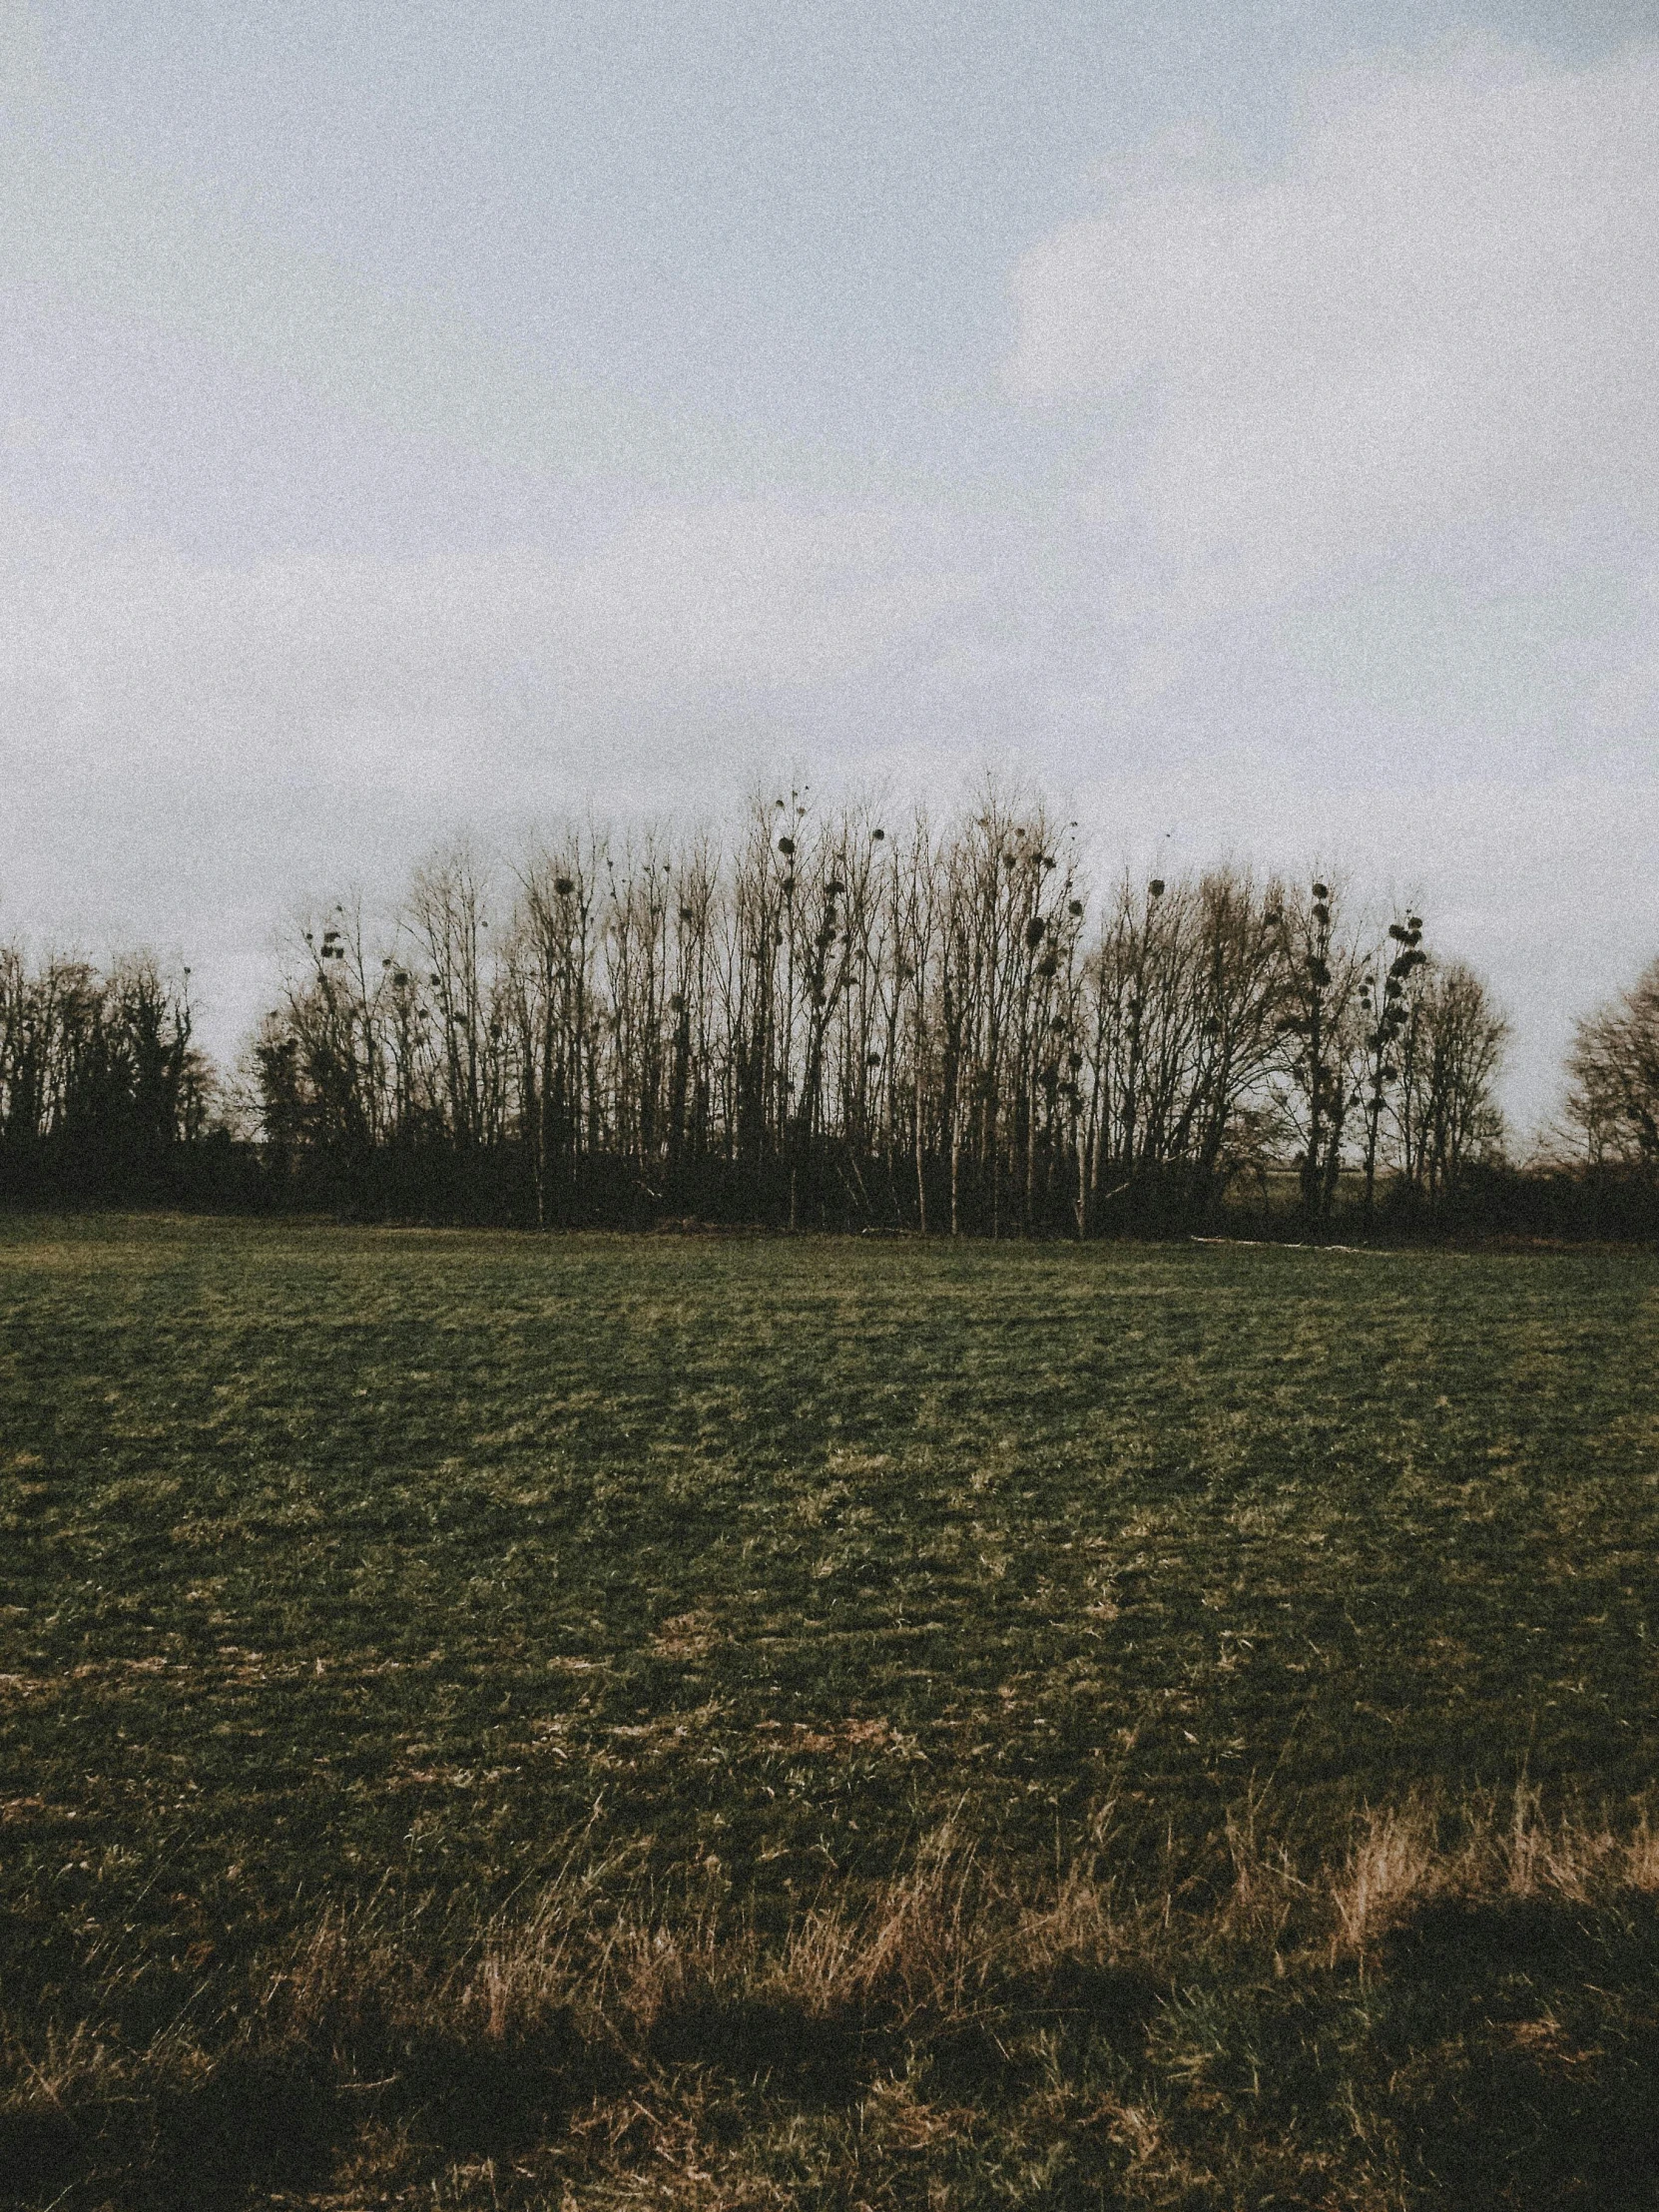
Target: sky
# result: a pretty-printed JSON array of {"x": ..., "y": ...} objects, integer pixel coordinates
[{"x": 1241, "y": 422}]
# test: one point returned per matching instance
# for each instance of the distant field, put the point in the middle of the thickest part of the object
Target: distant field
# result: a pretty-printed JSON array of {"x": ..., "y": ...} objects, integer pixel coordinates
[{"x": 381, "y": 1589}]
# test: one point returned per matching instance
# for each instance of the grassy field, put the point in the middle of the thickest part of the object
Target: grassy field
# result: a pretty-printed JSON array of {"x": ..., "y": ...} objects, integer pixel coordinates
[{"x": 684, "y": 1721}]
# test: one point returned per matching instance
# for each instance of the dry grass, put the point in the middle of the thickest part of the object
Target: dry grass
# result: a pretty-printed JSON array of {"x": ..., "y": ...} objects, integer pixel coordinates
[
  {"x": 947, "y": 2031},
  {"x": 1399, "y": 1862}
]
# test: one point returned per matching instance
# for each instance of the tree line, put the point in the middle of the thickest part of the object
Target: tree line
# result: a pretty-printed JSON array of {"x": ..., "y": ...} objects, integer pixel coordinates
[
  {"x": 827, "y": 1021},
  {"x": 823, "y": 1021},
  {"x": 101, "y": 1087}
]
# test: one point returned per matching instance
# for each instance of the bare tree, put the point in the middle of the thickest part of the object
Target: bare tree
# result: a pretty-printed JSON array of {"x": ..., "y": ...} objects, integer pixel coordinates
[
  {"x": 1463, "y": 1035},
  {"x": 1387, "y": 1042},
  {"x": 1323, "y": 967},
  {"x": 1613, "y": 1070}
]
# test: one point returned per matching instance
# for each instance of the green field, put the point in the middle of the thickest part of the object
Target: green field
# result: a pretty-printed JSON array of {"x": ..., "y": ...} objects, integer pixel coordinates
[{"x": 903, "y": 1724}]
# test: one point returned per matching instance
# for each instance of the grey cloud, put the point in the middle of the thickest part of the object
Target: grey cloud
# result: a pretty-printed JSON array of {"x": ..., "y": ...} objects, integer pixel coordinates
[
  {"x": 1445, "y": 299},
  {"x": 119, "y": 237}
]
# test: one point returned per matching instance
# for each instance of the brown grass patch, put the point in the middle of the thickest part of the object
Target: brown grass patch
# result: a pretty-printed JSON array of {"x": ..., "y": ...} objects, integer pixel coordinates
[{"x": 599, "y": 2044}]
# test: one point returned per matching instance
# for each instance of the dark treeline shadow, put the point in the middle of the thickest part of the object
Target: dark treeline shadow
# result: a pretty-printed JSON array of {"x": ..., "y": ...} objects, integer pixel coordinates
[{"x": 826, "y": 1022}]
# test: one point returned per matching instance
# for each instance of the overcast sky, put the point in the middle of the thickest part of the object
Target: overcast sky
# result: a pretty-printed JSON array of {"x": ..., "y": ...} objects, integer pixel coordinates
[{"x": 1242, "y": 420}]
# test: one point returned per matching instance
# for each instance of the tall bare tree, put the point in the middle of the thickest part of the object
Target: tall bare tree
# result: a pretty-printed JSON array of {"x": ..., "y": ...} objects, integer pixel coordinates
[{"x": 1613, "y": 1070}]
